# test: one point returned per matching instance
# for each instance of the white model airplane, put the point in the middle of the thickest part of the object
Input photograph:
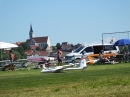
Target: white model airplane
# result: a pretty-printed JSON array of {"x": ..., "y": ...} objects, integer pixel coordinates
[
  {"x": 78, "y": 66},
  {"x": 55, "y": 69}
]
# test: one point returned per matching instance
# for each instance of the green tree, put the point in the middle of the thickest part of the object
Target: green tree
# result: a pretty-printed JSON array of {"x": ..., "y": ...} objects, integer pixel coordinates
[
  {"x": 53, "y": 48},
  {"x": 25, "y": 46},
  {"x": 17, "y": 55},
  {"x": 58, "y": 45},
  {"x": 72, "y": 45},
  {"x": 5, "y": 56},
  {"x": 20, "y": 52},
  {"x": 1, "y": 54}
]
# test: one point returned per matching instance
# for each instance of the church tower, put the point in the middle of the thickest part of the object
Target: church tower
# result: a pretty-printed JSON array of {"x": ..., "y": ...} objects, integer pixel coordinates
[{"x": 31, "y": 34}]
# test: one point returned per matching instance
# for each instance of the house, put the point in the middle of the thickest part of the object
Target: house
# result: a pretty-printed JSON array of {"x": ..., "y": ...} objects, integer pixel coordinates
[
  {"x": 77, "y": 45},
  {"x": 33, "y": 47},
  {"x": 18, "y": 43},
  {"x": 28, "y": 52},
  {"x": 41, "y": 42},
  {"x": 69, "y": 47},
  {"x": 66, "y": 47},
  {"x": 64, "y": 43},
  {"x": 35, "y": 53}
]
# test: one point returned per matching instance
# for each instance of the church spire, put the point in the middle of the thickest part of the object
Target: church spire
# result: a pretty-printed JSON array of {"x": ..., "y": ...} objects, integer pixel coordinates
[
  {"x": 31, "y": 30},
  {"x": 31, "y": 35}
]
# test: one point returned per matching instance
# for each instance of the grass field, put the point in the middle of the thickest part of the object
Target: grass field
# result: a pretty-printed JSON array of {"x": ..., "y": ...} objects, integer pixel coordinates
[{"x": 111, "y": 80}]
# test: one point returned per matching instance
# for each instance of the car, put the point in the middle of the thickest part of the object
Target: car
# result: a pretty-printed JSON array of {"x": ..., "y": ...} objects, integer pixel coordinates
[{"x": 85, "y": 50}]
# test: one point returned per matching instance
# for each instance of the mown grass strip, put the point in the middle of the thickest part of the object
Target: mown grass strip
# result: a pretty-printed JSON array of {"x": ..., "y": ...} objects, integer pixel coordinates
[{"x": 96, "y": 81}]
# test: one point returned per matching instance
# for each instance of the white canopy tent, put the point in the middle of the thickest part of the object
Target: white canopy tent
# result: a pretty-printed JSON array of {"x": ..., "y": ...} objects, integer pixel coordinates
[{"x": 6, "y": 45}]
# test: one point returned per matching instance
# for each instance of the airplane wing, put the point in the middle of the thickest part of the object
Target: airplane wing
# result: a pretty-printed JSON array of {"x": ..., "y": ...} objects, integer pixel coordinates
[{"x": 56, "y": 69}]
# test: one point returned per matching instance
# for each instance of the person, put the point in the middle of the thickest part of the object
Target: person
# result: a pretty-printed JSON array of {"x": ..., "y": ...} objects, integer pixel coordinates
[
  {"x": 11, "y": 55},
  {"x": 59, "y": 56},
  {"x": 101, "y": 57},
  {"x": 47, "y": 63},
  {"x": 126, "y": 56}
]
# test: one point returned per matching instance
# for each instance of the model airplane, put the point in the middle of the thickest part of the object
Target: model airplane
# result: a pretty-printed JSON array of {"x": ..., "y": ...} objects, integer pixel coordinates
[
  {"x": 107, "y": 57},
  {"x": 78, "y": 66},
  {"x": 55, "y": 69},
  {"x": 71, "y": 66}
]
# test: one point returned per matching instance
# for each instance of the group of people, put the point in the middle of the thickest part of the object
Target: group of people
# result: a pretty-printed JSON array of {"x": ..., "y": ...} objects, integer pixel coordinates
[{"x": 102, "y": 59}]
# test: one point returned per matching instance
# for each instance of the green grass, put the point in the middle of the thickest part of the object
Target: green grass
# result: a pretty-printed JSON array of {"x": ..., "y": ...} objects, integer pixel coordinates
[{"x": 111, "y": 80}]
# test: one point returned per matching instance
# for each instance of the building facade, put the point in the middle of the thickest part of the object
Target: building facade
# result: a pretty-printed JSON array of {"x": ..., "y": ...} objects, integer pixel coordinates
[{"x": 41, "y": 42}]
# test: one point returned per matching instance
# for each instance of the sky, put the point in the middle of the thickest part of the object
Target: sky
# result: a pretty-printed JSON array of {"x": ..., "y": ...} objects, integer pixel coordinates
[{"x": 72, "y": 21}]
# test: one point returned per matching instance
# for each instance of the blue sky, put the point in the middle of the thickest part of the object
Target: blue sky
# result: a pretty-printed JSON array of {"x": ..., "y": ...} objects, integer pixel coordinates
[{"x": 72, "y": 21}]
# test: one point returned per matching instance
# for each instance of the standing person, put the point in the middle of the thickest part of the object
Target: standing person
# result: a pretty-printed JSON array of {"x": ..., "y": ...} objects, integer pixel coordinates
[
  {"x": 11, "y": 55},
  {"x": 126, "y": 56},
  {"x": 101, "y": 57},
  {"x": 59, "y": 56}
]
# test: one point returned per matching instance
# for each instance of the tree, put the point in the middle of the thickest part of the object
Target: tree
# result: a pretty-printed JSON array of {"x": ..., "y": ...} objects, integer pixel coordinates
[
  {"x": 20, "y": 52},
  {"x": 53, "y": 48},
  {"x": 58, "y": 45},
  {"x": 72, "y": 45},
  {"x": 17, "y": 55},
  {"x": 25, "y": 46},
  {"x": 5, "y": 56},
  {"x": 1, "y": 54}
]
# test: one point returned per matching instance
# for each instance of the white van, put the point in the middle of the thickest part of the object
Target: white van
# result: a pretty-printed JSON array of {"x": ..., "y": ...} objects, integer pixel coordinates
[{"x": 91, "y": 49}]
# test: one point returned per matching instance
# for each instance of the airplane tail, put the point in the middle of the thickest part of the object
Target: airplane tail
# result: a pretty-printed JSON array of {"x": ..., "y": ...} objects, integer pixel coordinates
[{"x": 82, "y": 63}]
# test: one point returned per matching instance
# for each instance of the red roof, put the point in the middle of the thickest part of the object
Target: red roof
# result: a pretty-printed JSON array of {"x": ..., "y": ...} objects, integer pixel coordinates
[
  {"x": 38, "y": 39},
  {"x": 31, "y": 52},
  {"x": 28, "y": 52},
  {"x": 19, "y": 43},
  {"x": 43, "y": 53}
]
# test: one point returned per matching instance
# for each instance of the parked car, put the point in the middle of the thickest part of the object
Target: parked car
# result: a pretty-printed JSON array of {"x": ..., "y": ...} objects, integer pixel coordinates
[{"x": 91, "y": 49}]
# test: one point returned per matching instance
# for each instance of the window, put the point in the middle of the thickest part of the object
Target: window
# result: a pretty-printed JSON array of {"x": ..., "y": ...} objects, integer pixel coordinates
[
  {"x": 109, "y": 47},
  {"x": 88, "y": 50},
  {"x": 79, "y": 49}
]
